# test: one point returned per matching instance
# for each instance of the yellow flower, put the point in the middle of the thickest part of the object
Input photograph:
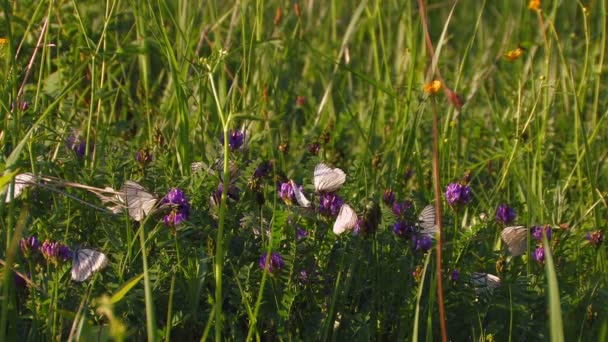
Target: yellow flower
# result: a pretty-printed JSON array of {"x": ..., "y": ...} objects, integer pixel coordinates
[
  {"x": 432, "y": 87},
  {"x": 514, "y": 54},
  {"x": 3, "y": 41},
  {"x": 534, "y": 5}
]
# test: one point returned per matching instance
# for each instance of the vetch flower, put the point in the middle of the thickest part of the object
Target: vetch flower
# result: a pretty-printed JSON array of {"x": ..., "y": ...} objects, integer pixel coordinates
[
  {"x": 595, "y": 238},
  {"x": 330, "y": 204},
  {"x": 300, "y": 233},
  {"x": 272, "y": 263},
  {"x": 389, "y": 197},
  {"x": 55, "y": 252},
  {"x": 29, "y": 246},
  {"x": 286, "y": 192},
  {"x": 403, "y": 229},
  {"x": 181, "y": 207},
  {"x": 423, "y": 243},
  {"x": 455, "y": 275},
  {"x": 457, "y": 194},
  {"x": 539, "y": 255},
  {"x": 314, "y": 148},
  {"x": 537, "y": 232},
  {"x": 235, "y": 139},
  {"x": 504, "y": 214},
  {"x": 78, "y": 144},
  {"x": 401, "y": 208},
  {"x": 144, "y": 156},
  {"x": 263, "y": 170}
]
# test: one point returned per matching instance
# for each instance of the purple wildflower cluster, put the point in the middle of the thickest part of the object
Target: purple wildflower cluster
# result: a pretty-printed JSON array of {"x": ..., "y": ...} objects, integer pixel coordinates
[
  {"x": 236, "y": 139},
  {"x": 55, "y": 252},
  {"x": 404, "y": 228},
  {"x": 181, "y": 207},
  {"x": 143, "y": 157},
  {"x": 330, "y": 204},
  {"x": 29, "y": 246},
  {"x": 300, "y": 233},
  {"x": 233, "y": 192},
  {"x": 78, "y": 144},
  {"x": 595, "y": 238},
  {"x": 537, "y": 234},
  {"x": 457, "y": 194},
  {"x": 272, "y": 263},
  {"x": 389, "y": 197},
  {"x": 400, "y": 209},
  {"x": 504, "y": 214},
  {"x": 286, "y": 192}
]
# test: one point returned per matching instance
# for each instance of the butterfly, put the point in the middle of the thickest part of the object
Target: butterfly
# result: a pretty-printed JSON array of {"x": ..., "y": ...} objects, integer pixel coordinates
[
  {"x": 299, "y": 195},
  {"x": 327, "y": 179},
  {"x": 427, "y": 221},
  {"x": 516, "y": 238},
  {"x": 484, "y": 283},
  {"x": 85, "y": 262},
  {"x": 22, "y": 182},
  {"x": 139, "y": 201},
  {"x": 346, "y": 220}
]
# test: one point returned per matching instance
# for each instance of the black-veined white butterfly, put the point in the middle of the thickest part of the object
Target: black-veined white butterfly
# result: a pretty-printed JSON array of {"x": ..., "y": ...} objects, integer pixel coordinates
[
  {"x": 327, "y": 179},
  {"x": 22, "y": 182},
  {"x": 427, "y": 221},
  {"x": 85, "y": 262},
  {"x": 484, "y": 283},
  {"x": 516, "y": 239},
  {"x": 346, "y": 220},
  {"x": 139, "y": 201},
  {"x": 299, "y": 195}
]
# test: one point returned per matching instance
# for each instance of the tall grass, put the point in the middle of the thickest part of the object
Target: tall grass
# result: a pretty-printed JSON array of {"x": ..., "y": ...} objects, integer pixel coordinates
[{"x": 176, "y": 78}]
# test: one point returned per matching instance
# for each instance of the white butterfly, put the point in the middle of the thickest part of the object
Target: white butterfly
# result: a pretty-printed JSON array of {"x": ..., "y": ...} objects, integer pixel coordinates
[
  {"x": 484, "y": 283},
  {"x": 299, "y": 195},
  {"x": 139, "y": 201},
  {"x": 516, "y": 238},
  {"x": 327, "y": 179},
  {"x": 22, "y": 182},
  {"x": 85, "y": 262},
  {"x": 346, "y": 220},
  {"x": 427, "y": 221}
]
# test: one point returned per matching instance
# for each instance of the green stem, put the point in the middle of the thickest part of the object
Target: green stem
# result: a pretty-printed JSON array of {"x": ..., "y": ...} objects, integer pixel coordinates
[{"x": 150, "y": 319}]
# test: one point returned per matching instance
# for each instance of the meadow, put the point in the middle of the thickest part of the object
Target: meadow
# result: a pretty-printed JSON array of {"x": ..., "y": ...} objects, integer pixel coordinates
[{"x": 262, "y": 170}]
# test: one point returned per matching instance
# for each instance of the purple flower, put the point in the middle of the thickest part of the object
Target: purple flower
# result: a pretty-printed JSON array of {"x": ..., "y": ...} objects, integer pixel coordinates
[
  {"x": 300, "y": 233},
  {"x": 389, "y": 197},
  {"x": 423, "y": 243},
  {"x": 408, "y": 174},
  {"x": 403, "y": 230},
  {"x": 330, "y": 204},
  {"x": 263, "y": 170},
  {"x": 537, "y": 232},
  {"x": 286, "y": 192},
  {"x": 595, "y": 238},
  {"x": 504, "y": 214},
  {"x": 401, "y": 208},
  {"x": 233, "y": 192},
  {"x": 55, "y": 252},
  {"x": 275, "y": 264},
  {"x": 457, "y": 194},
  {"x": 303, "y": 276},
  {"x": 455, "y": 275},
  {"x": 181, "y": 207},
  {"x": 359, "y": 227},
  {"x": 29, "y": 246},
  {"x": 143, "y": 157},
  {"x": 78, "y": 144},
  {"x": 539, "y": 255},
  {"x": 235, "y": 139}
]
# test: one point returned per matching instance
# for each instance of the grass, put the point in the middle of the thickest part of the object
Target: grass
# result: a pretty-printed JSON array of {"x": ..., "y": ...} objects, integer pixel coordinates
[{"x": 308, "y": 82}]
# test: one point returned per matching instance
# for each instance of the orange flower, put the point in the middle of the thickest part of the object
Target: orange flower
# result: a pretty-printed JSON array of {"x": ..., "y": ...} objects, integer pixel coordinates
[
  {"x": 432, "y": 87},
  {"x": 534, "y": 5},
  {"x": 514, "y": 54},
  {"x": 3, "y": 41}
]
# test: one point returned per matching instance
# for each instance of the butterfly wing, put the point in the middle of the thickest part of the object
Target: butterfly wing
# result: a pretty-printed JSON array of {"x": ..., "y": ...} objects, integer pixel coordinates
[
  {"x": 299, "y": 195},
  {"x": 327, "y": 179},
  {"x": 139, "y": 201},
  {"x": 484, "y": 283},
  {"x": 346, "y": 220},
  {"x": 85, "y": 262},
  {"x": 22, "y": 182},
  {"x": 427, "y": 221},
  {"x": 516, "y": 239}
]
